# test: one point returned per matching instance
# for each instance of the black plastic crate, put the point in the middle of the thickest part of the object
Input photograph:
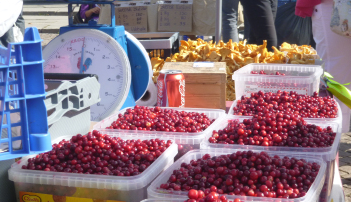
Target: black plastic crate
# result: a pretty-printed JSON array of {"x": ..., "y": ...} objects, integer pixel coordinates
[{"x": 159, "y": 44}]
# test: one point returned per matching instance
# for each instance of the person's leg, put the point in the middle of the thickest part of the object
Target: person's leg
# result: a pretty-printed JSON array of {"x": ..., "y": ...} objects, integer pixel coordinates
[
  {"x": 20, "y": 23},
  {"x": 274, "y": 7},
  {"x": 229, "y": 20},
  {"x": 246, "y": 27},
  {"x": 7, "y": 38},
  {"x": 260, "y": 16}
]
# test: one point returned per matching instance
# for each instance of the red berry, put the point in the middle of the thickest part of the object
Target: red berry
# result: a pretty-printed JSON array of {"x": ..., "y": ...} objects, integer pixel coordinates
[{"x": 193, "y": 194}]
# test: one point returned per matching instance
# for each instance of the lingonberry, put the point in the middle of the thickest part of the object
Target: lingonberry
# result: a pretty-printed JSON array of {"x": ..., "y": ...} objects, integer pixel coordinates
[
  {"x": 102, "y": 155},
  {"x": 289, "y": 103},
  {"x": 259, "y": 175},
  {"x": 274, "y": 129}
]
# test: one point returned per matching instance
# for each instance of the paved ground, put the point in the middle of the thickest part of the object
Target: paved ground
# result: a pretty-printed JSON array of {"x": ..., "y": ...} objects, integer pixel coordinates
[
  {"x": 48, "y": 17},
  {"x": 345, "y": 164}
]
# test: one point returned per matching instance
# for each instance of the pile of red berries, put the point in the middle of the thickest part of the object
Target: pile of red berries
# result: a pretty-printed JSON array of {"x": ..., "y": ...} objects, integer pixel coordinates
[
  {"x": 274, "y": 130},
  {"x": 261, "y": 103},
  {"x": 157, "y": 119},
  {"x": 263, "y": 72},
  {"x": 199, "y": 196},
  {"x": 96, "y": 153},
  {"x": 245, "y": 173}
]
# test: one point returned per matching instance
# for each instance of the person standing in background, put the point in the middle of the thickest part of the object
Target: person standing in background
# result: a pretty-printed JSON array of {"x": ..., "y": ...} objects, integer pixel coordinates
[
  {"x": 334, "y": 49},
  {"x": 9, "y": 37},
  {"x": 10, "y": 14},
  {"x": 89, "y": 11},
  {"x": 230, "y": 20},
  {"x": 261, "y": 16}
]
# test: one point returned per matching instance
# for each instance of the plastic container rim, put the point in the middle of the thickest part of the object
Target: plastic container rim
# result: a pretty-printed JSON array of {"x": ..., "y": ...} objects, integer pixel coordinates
[{"x": 240, "y": 73}]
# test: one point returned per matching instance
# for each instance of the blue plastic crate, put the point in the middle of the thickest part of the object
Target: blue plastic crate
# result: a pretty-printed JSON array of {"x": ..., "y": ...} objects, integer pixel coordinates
[
  {"x": 282, "y": 2},
  {"x": 23, "y": 116}
]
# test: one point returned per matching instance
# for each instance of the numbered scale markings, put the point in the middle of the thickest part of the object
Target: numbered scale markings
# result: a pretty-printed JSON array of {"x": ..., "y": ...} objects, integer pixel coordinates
[{"x": 93, "y": 52}]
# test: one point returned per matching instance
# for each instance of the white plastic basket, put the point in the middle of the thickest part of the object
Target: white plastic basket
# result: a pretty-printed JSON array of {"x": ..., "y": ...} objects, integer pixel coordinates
[
  {"x": 306, "y": 78},
  {"x": 337, "y": 120},
  {"x": 311, "y": 196},
  {"x": 104, "y": 187},
  {"x": 328, "y": 154},
  {"x": 185, "y": 139}
]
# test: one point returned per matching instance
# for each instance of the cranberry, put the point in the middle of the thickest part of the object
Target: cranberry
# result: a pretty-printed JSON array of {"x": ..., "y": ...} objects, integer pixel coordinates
[
  {"x": 102, "y": 154},
  {"x": 274, "y": 129},
  {"x": 157, "y": 119},
  {"x": 244, "y": 173},
  {"x": 289, "y": 103}
]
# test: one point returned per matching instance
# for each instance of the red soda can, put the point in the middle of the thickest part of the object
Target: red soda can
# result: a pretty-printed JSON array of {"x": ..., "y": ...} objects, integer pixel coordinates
[{"x": 171, "y": 89}]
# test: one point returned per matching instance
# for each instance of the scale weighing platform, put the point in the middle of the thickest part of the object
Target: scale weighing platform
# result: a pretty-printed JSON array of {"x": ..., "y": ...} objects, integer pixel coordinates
[{"x": 114, "y": 55}]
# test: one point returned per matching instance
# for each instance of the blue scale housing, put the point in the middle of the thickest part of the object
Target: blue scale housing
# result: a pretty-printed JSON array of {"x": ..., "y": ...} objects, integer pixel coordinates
[{"x": 139, "y": 66}]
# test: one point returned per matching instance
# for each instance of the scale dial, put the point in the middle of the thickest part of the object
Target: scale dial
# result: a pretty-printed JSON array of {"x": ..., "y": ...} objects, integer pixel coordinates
[{"x": 102, "y": 55}]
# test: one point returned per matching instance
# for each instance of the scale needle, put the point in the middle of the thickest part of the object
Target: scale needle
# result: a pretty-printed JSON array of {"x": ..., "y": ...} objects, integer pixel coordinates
[{"x": 81, "y": 59}]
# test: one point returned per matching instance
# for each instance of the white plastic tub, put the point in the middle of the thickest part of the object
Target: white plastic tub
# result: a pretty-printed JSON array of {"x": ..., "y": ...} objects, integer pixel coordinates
[
  {"x": 306, "y": 78},
  {"x": 311, "y": 196},
  {"x": 337, "y": 120},
  {"x": 131, "y": 188},
  {"x": 328, "y": 154},
  {"x": 187, "y": 140}
]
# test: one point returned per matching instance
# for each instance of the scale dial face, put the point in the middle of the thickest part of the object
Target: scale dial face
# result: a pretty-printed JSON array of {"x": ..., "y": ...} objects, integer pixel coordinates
[{"x": 93, "y": 52}]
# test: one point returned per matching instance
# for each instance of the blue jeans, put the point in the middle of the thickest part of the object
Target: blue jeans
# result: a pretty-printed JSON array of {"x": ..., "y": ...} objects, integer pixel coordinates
[{"x": 229, "y": 20}]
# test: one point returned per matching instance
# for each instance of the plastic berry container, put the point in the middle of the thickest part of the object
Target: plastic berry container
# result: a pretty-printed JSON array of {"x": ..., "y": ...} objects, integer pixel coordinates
[
  {"x": 312, "y": 195},
  {"x": 338, "y": 119},
  {"x": 188, "y": 141},
  {"x": 43, "y": 184},
  {"x": 304, "y": 79},
  {"x": 328, "y": 154}
]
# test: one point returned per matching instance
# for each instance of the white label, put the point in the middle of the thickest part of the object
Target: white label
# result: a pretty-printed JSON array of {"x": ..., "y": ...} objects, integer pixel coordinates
[
  {"x": 133, "y": 15},
  {"x": 175, "y": 16},
  {"x": 204, "y": 64}
]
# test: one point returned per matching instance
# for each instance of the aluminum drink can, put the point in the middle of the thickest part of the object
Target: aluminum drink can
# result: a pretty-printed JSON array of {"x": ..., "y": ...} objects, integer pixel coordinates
[{"x": 171, "y": 89}]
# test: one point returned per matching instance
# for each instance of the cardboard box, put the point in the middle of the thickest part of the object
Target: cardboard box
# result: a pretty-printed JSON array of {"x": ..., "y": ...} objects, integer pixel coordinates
[{"x": 205, "y": 83}]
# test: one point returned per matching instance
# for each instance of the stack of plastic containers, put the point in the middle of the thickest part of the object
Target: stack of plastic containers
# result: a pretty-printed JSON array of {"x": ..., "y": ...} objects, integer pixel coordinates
[
  {"x": 328, "y": 154},
  {"x": 304, "y": 79},
  {"x": 98, "y": 187},
  {"x": 312, "y": 195},
  {"x": 24, "y": 128},
  {"x": 185, "y": 141}
]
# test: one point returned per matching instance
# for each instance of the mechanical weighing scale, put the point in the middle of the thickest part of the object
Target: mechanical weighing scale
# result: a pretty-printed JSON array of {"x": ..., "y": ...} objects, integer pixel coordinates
[{"x": 118, "y": 58}]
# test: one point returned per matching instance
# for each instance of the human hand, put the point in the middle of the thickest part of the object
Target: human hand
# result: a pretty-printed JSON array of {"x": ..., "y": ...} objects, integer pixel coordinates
[{"x": 96, "y": 10}]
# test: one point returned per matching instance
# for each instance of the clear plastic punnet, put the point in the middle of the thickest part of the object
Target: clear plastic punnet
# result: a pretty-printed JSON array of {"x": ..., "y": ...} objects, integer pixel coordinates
[
  {"x": 338, "y": 119},
  {"x": 304, "y": 79},
  {"x": 185, "y": 141},
  {"x": 312, "y": 195},
  {"x": 328, "y": 154},
  {"x": 101, "y": 187}
]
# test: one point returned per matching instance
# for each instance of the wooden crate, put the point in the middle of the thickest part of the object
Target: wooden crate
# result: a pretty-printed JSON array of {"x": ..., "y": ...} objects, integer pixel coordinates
[{"x": 204, "y": 86}]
